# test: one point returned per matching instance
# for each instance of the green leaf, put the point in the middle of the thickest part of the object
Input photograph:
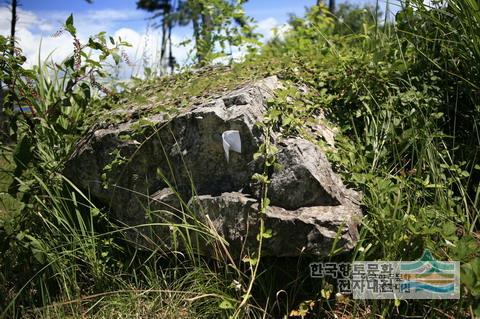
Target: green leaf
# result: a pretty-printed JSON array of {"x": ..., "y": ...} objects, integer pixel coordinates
[
  {"x": 37, "y": 248},
  {"x": 95, "y": 45},
  {"x": 326, "y": 293},
  {"x": 470, "y": 276},
  {"x": 69, "y": 26},
  {"x": 144, "y": 122},
  {"x": 225, "y": 304},
  {"x": 267, "y": 233},
  {"x": 477, "y": 311},
  {"x": 397, "y": 303},
  {"x": 116, "y": 57},
  {"x": 257, "y": 155},
  {"x": 260, "y": 178},
  {"x": 449, "y": 228},
  {"x": 465, "y": 248},
  {"x": 23, "y": 152},
  {"x": 266, "y": 202},
  {"x": 94, "y": 212},
  {"x": 264, "y": 233},
  {"x": 251, "y": 261}
]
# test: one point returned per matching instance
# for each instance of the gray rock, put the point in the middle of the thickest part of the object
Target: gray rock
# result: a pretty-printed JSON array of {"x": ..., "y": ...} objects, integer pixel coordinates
[
  {"x": 165, "y": 199},
  {"x": 146, "y": 170},
  {"x": 305, "y": 178},
  {"x": 186, "y": 151},
  {"x": 308, "y": 230}
]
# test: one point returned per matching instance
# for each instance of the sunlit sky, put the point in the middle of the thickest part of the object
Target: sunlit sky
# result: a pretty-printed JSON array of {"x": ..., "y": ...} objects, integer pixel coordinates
[{"x": 39, "y": 19}]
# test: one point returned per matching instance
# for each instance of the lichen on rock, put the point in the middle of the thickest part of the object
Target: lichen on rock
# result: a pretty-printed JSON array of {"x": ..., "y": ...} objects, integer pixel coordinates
[{"x": 163, "y": 163}]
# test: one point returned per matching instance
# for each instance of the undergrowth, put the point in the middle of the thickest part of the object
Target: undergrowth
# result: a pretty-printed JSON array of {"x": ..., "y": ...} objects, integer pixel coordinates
[{"x": 405, "y": 99}]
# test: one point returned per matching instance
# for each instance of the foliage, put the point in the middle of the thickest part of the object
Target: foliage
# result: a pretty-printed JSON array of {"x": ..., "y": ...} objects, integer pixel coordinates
[
  {"x": 403, "y": 96},
  {"x": 52, "y": 101},
  {"x": 219, "y": 26},
  {"x": 351, "y": 18},
  {"x": 401, "y": 110}
]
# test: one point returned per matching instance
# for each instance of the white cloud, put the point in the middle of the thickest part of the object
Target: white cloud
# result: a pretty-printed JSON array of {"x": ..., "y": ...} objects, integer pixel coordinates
[
  {"x": 146, "y": 48},
  {"x": 267, "y": 25},
  {"x": 25, "y": 19},
  {"x": 34, "y": 35},
  {"x": 46, "y": 27},
  {"x": 271, "y": 28},
  {"x": 30, "y": 28}
]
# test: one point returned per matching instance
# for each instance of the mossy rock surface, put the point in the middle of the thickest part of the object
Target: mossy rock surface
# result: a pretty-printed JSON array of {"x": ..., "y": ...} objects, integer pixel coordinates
[{"x": 168, "y": 163}]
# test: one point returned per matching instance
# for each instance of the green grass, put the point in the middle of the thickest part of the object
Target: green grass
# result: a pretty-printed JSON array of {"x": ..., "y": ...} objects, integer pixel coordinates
[
  {"x": 405, "y": 100},
  {"x": 172, "y": 93}
]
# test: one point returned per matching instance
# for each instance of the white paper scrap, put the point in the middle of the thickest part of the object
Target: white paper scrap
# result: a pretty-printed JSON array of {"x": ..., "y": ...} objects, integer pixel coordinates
[{"x": 231, "y": 141}]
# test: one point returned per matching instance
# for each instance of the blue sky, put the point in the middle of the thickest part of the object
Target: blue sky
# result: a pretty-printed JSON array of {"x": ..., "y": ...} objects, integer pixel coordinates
[
  {"x": 39, "y": 19},
  {"x": 260, "y": 9}
]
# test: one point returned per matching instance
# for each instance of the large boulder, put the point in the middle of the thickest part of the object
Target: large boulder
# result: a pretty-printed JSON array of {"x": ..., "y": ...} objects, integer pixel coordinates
[
  {"x": 161, "y": 163},
  {"x": 310, "y": 230}
]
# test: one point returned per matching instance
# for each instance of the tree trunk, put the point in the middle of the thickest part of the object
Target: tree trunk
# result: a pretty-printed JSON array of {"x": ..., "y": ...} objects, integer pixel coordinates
[
  {"x": 196, "y": 34},
  {"x": 10, "y": 104},
  {"x": 164, "y": 45},
  {"x": 331, "y": 6},
  {"x": 207, "y": 32},
  {"x": 13, "y": 25},
  {"x": 171, "y": 59},
  {"x": 5, "y": 122},
  {"x": 195, "y": 12}
]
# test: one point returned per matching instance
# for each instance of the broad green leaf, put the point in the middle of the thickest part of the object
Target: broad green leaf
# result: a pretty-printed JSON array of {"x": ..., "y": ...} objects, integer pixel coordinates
[{"x": 70, "y": 27}]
